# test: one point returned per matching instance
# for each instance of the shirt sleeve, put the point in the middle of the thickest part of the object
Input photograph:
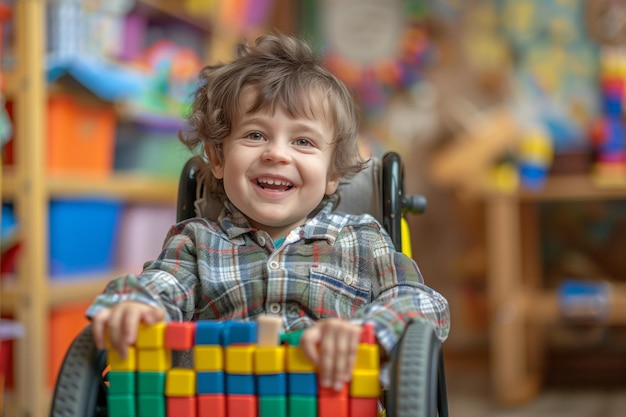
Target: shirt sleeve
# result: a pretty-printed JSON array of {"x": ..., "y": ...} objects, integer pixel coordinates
[
  {"x": 169, "y": 282},
  {"x": 399, "y": 296}
]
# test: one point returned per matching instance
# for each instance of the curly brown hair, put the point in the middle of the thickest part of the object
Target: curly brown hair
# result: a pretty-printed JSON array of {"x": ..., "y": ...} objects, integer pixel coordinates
[{"x": 285, "y": 72}]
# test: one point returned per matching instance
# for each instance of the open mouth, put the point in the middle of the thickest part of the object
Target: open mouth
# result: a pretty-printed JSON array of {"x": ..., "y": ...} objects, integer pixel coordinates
[{"x": 274, "y": 184}]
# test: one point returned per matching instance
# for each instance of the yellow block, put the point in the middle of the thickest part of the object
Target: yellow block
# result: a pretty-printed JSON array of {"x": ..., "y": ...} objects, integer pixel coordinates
[
  {"x": 180, "y": 382},
  {"x": 297, "y": 361},
  {"x": 269, "y": 360},
  {"x": 365, "y": 383},
  {"x": 208, "y": 358},
  {"x": 118, "y": 364},
  {"x": 151, "y": 336},
  {"x": 153, "y": 360},
  {"x": 240, "y": 359},
  {"x": 367, "y": 357}
]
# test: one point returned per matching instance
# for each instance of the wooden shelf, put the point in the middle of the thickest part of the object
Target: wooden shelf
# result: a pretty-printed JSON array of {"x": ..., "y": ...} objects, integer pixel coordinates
[{"x": 128, "y": 187}]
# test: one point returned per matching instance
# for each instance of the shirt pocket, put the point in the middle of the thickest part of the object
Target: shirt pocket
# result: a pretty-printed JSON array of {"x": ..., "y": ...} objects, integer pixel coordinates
[{"x": 336, "y": 293}]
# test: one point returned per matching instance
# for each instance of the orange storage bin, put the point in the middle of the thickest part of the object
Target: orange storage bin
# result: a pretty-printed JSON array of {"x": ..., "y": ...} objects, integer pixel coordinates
[
  {"x": 81, "y": 136},
  {"x": 65, "y": 323}
]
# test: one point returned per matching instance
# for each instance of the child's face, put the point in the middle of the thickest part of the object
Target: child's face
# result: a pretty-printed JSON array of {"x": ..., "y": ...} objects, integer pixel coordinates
[{"x": 276, "y": 168}]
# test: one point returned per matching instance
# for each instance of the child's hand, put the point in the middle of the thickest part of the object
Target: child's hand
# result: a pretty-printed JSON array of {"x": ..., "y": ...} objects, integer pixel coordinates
[
  {"x": 337, "y": 341},
  {"x": 121, "y": 322}
]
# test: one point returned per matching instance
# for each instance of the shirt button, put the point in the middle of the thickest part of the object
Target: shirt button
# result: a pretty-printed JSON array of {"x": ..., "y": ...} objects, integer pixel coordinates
[
  {"x": 275, "y": 308},
  {"x": 274, "y": 265},
  {"x": 262, "y": 241},
  {"x": 348, "y": 280}
]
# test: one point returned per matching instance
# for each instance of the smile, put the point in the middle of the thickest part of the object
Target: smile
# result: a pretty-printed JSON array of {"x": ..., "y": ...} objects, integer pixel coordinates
[{"x": 274, "y": 184}]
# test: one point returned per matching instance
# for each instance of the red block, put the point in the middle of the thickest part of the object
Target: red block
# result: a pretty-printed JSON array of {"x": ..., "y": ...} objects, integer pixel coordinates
[
  {"x": 179, "y": 335},
  {"x": 367, "y": 334},
  {"x": 241, "y": 406},
  {"x": 332, "y": 406},
  {"x": 363, "y": 407},
  {"x": 181, "y": 407},
  {"x": 211, "y": 405},
  {"x": 330, "y": 392}
]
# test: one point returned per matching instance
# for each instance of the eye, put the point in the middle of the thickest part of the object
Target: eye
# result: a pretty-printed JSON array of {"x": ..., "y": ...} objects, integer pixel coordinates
[
  {"x": 303, "y": 142},
  {"x": 255, "y": 136}
]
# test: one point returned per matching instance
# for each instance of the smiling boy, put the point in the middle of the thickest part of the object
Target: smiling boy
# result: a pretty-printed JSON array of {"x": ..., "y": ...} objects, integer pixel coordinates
[{"x": 279, "y": 132}]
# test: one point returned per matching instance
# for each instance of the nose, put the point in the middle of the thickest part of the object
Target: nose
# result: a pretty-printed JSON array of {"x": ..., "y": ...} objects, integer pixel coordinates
[{"x": 277, "y": 151}]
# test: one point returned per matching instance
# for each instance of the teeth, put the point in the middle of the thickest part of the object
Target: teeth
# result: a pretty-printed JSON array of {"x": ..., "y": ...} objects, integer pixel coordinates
[{"x": 270, "y": 181}]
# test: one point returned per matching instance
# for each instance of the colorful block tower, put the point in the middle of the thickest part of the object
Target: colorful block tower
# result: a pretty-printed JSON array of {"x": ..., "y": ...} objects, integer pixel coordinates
[{"x": 240, "y": 369}]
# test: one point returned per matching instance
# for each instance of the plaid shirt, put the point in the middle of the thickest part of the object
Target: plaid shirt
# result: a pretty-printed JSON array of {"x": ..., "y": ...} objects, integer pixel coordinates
[{"x": 334, "y": 265}]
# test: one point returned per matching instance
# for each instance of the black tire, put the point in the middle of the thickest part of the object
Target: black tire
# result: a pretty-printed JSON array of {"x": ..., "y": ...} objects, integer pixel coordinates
[
  {"x": 413, "y": 375},
  {"x": 80, "y": 390}
]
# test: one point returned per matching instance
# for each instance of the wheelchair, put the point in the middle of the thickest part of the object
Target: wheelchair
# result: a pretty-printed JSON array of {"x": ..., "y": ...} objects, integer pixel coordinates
[{"x": 417, "y": 386}]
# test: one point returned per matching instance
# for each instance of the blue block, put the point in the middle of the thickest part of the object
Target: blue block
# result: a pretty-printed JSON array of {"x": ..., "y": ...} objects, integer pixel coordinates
[
  {"x": 302, "y": 384},
  {"x": 210, "y": 382},
  {"x": 240, "y": 384},
  {"x": 240, "y": 333},
  {"x": 273, "y": 384},
  {"x": 209, "y": 332}
]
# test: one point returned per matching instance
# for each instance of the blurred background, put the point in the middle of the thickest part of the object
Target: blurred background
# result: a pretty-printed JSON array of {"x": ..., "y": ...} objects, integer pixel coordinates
[{"x": 508, "y": 114}]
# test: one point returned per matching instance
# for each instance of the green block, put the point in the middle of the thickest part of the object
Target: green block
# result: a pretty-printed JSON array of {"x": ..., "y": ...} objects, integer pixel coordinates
[
  {"x": 121, "y": 382},
  {"x": 273, "y": 406},
  {"x": 121, "y": 405},
  {"x": 151, "y": 383},
  {"x": 151, "y": 405},
  {"x": 292, "y": 338},
  {"x": 302, "y": 406}
]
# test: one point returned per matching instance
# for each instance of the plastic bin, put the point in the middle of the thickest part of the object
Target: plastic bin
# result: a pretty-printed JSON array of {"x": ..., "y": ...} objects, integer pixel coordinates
[{"x": 83, "y": 235}]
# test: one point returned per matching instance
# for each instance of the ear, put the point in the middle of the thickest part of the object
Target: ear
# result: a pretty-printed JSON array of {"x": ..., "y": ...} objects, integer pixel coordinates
[
  {"x": 215, "y": 162},
  {"x": 332, "y": 183}
]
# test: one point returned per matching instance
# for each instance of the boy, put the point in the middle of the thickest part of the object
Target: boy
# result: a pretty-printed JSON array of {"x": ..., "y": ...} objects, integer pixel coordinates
[{"x": 279, "y": 132}]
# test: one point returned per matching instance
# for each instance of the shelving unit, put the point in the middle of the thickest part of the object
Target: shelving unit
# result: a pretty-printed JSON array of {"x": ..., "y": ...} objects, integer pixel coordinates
[
  {"x": 520, "y": 307},
  {"x": 30, "y": 294}
]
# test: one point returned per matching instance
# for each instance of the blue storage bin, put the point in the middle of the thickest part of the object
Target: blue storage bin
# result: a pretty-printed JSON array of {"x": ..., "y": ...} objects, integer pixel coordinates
[{"x": 82, "y": 236}]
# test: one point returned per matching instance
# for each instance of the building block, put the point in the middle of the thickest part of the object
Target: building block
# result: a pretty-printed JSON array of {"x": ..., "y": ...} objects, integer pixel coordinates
[
  {"x": 209, "y": 332},
  {"x": 117, "y": 363},
  {"x": 240, "y": 384},
  {"x": 368, "y": 335},
  {"x": 297, "y": 361},
  {"x": 240, "y": 333},
  {"x": 213, "y": 405},
  {"x": 181, "y": 406},
  {"x": 302, "y": 406},
  {"x": 180, "y": 382},
  {"x": 121, "y": 405},
  {"x": 208, "y": 358},
  {"x": 210, "y": 383},
  {"x": 150, "y": 405},
  {"x": 302, "y": 384},
  {"x": 332, "y": 406},
  {"x": 241, "y": 406},
  {"x": 273, "y": 406},
  {"x": 268, "y": 331},
  {"x": 180, "y": 335},
  {"x": 269, "y": 360},
  {"x": 151, "y": 382},
  {"x": 363, "y": 407},
  {"x": 367, "y": 357},
  {"x": 153, "y": 360},
  {"x": 121, "y": 382},
  {"x": 240, "y": 359},
  {"x": 331, "y": 392},
  {"x": 271, "y": 385},
  {"x": 365, "y": 383},
  {"x": 151, "y": 336}
]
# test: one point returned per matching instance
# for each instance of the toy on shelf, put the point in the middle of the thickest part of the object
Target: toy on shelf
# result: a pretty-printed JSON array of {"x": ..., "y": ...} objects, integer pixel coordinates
[{"x": 240, "y": 369}]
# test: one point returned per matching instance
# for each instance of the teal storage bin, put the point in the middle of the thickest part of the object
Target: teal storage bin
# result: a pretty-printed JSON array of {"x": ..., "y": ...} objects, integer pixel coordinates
[{"x": 82, "y": 236}]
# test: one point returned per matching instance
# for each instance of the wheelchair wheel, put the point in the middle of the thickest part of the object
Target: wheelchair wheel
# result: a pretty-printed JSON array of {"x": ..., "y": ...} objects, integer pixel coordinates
[
  {"x": 80, "y": 390},
  {"x": 413, "y": 385}
]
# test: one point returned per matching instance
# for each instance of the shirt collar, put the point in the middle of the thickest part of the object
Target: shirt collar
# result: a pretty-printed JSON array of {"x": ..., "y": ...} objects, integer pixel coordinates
[{"x": 324, "y": 225}]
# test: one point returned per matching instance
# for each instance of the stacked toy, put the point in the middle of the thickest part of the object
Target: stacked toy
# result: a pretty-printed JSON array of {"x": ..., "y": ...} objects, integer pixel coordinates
[
  {"x": 610, "y": 129},
  {"x": 240, "y": 369}
]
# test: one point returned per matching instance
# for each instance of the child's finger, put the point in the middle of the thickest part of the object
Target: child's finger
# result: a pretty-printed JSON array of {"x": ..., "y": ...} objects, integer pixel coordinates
[
  {"x": 98, "y": 325},
  {"x": 309, "y": 342}
]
